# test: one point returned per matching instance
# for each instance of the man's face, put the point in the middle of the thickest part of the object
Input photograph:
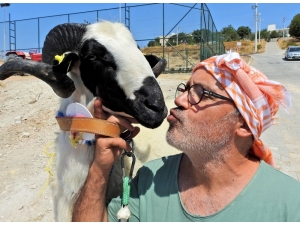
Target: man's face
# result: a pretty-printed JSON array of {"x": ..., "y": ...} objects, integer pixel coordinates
[{"x": 204, "y": 129}]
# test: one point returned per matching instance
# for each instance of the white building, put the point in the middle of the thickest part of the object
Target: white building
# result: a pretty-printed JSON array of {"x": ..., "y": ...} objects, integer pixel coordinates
[
  {"x": 166, "y": 39},
  {"x": 272, "y": 27}
]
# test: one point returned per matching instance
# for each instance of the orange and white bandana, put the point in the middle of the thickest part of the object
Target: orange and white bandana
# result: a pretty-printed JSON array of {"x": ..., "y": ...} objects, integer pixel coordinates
[{"x": 256, "y": 97}]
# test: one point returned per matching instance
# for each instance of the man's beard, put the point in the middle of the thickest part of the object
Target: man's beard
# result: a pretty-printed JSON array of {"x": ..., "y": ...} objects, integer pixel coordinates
[{"x": 201, "y": 140}]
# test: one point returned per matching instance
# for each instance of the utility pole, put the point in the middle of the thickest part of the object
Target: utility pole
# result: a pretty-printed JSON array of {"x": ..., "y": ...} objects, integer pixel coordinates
[
  {"x": 255, "y": 15},
  {"x": 177, "y": 37},
  {"x": 283, "y": 27},
  {"x": 120, "y": 8},
  {"x": 3, "y": 5},
  {"x": 259, "y": 27}
]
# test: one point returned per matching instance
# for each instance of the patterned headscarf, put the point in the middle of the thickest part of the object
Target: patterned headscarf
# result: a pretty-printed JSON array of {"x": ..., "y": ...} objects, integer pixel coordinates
[{"x": 256, "y": 97}]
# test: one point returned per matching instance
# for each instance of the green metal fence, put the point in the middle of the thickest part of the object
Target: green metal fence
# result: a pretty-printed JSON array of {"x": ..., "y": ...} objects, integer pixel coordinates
[{"x": 186, "y": 32}]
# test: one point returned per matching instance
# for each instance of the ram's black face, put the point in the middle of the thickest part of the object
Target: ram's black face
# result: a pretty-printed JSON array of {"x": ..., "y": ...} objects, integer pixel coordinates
[{"x": 99, "y": 73}]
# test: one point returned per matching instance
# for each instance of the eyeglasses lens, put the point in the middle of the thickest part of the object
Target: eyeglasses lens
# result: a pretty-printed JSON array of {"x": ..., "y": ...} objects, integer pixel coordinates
[
  {"x": 195, "y": 93},
  {"x": 179, "y": 90}
]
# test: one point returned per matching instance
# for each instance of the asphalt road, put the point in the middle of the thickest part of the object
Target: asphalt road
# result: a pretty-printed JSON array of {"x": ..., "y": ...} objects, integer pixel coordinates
[{"x": 283, "y": 138}]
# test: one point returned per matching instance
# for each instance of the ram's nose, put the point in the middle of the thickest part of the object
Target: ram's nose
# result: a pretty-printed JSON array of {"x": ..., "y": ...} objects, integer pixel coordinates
[
  {"x": 149, "y": 105},
  {"x": 151, "y": 95},
  {"x": 154, "y": 104}
]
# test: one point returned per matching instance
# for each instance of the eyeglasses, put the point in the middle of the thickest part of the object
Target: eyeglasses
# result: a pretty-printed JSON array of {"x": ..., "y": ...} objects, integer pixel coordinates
[{"x": 196, "y": 92}]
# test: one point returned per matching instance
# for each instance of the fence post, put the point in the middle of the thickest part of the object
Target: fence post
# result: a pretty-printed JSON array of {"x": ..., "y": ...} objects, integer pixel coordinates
[
  {"x": 39, "y": 48},
  {"x": 163, "y": 30}
]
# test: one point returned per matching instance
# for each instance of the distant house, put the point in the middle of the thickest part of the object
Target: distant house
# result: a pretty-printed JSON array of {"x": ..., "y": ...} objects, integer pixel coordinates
[
  {"x": 272, "y": 27},
  {"x": 166, "y": 39}
]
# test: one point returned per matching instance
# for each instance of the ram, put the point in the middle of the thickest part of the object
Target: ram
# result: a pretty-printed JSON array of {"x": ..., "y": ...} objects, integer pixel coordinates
[{"x": 100, "y": 60}]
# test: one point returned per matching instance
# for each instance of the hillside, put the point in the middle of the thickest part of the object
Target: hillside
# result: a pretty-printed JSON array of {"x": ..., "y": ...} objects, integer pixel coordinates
[{"x": 176, "y": 55}]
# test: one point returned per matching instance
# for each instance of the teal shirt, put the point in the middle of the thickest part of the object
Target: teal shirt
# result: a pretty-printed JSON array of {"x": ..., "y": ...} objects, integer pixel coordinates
[{"x": 269, "y": 196}]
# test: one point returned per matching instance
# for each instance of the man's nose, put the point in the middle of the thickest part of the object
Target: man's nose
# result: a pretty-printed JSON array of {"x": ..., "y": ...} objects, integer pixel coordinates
[{"x": 182, "y": 100}]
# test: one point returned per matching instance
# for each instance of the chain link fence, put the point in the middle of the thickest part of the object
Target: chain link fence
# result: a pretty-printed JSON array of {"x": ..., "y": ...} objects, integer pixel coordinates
[{"x": 184, "y": 34}]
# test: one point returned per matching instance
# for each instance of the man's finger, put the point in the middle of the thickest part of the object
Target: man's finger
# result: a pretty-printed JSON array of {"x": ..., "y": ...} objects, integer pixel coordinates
[
  {"x": 98, "y": 111},
  {"x": 130, "y": 134},
  {"x": 108, "y": 143}
]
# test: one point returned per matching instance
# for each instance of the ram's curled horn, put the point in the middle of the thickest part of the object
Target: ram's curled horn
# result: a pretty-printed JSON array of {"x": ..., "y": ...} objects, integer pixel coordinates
[
  {"x": 61, "y": 84},
  {"x": 61, "y": 39},
  {"x": 159, "y": 67}
]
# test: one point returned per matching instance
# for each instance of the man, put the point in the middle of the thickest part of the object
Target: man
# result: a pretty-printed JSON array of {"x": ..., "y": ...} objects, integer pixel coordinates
[{"x": 225, "y": 172}]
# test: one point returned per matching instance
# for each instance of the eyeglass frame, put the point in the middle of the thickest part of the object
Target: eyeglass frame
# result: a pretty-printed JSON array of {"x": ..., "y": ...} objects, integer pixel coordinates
[{"x": 205, "y": 91}]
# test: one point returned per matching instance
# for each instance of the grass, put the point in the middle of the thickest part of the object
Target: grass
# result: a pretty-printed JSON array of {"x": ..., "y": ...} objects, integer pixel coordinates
[
  {"x": 247, "y": 47},
  {"x": 283, "y": 43},
  {"x": 176, "y": 57}
]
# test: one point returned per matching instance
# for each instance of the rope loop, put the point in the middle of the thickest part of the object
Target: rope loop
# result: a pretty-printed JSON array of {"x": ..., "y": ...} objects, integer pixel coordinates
[{"x": 124, "y": 213}]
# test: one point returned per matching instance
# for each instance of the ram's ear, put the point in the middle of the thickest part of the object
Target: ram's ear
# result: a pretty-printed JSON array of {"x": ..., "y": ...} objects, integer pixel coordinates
[
  {"x": 63, "y": 63},
  {"x": 157, "y": 64},
  {"x": 152, "y": 60}
]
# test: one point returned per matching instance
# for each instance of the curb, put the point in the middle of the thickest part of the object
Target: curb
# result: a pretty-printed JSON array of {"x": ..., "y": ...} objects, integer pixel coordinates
[{"x": 250, "y": 60}]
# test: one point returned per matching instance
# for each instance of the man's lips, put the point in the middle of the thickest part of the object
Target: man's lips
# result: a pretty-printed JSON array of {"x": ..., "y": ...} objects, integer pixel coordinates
[{"x": 172, "y": 116}]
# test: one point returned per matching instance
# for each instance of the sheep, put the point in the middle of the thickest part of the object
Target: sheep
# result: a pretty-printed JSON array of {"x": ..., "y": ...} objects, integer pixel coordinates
[{"x": 100, "y": 60}]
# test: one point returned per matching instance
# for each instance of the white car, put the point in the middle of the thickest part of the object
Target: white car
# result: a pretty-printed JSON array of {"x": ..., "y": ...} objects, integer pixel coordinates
[{"x": 292, "y": 52}]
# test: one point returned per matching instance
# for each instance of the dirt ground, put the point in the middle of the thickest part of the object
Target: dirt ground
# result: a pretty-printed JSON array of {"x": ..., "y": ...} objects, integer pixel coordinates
[{"x": 28, "y": 129}]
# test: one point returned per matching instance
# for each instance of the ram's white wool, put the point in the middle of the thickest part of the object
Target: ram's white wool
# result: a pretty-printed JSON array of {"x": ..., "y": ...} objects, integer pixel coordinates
[
  {"x": 72, "y": 164},
  {"x": 81, "y": 94},
  {"x": 120, "y": 43}
]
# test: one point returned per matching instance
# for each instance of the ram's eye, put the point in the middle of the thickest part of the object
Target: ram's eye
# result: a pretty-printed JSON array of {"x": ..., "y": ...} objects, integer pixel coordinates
[{"x": 92, "y": 57}]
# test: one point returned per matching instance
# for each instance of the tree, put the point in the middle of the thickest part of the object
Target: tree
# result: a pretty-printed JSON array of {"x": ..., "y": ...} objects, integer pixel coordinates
[
  {"x": 295, "y": 26},
  {"x": 230, "y": 34},
  {"x": 264, "y": 34},
  {"x": 244, "y": 32},
  {"x": 204, "y": 33},
  {"x": 274, "y": 34},
  {"x": 151, "y": 44},
  {"x": 172, "y": 40},
  {"x": 156, "y": 42},
  {"x": 196, "y": 36},
  {"x": 182, "y": 38}
]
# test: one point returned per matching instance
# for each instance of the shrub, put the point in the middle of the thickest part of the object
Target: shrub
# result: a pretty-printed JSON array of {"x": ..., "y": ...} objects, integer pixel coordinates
[{"x": 259, "y": 46}]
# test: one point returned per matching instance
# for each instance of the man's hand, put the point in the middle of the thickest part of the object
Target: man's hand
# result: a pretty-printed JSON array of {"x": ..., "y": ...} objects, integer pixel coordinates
[
  {"x": 90, "y": 205},
  {"x": 109, "y": 149}
]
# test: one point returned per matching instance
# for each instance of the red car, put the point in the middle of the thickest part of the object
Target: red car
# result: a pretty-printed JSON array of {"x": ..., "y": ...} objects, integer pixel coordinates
[{"x": 31, "y": 55}]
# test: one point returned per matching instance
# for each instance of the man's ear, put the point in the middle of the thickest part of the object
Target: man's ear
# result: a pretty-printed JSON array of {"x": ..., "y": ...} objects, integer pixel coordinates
[{"x": 243, "y": 129}]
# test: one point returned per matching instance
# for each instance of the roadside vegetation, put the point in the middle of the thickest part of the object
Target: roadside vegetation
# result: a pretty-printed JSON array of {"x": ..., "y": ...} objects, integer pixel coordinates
[
  {"x": 284, "y": 43},
  {"x": 182, "y": 51}
]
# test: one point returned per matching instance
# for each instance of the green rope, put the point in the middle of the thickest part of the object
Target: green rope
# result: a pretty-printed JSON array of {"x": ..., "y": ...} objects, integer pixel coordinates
[{"x": 126, "y": 191}]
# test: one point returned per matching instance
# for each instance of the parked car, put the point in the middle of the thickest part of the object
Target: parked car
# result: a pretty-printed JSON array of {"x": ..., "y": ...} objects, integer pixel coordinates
[
  {"x": 31, "y": 55},
  {"x": 292, "y": 52}
]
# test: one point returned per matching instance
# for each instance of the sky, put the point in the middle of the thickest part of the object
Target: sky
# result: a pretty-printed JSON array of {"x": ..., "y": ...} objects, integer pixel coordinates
[{"x": 145, "y": 22}]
